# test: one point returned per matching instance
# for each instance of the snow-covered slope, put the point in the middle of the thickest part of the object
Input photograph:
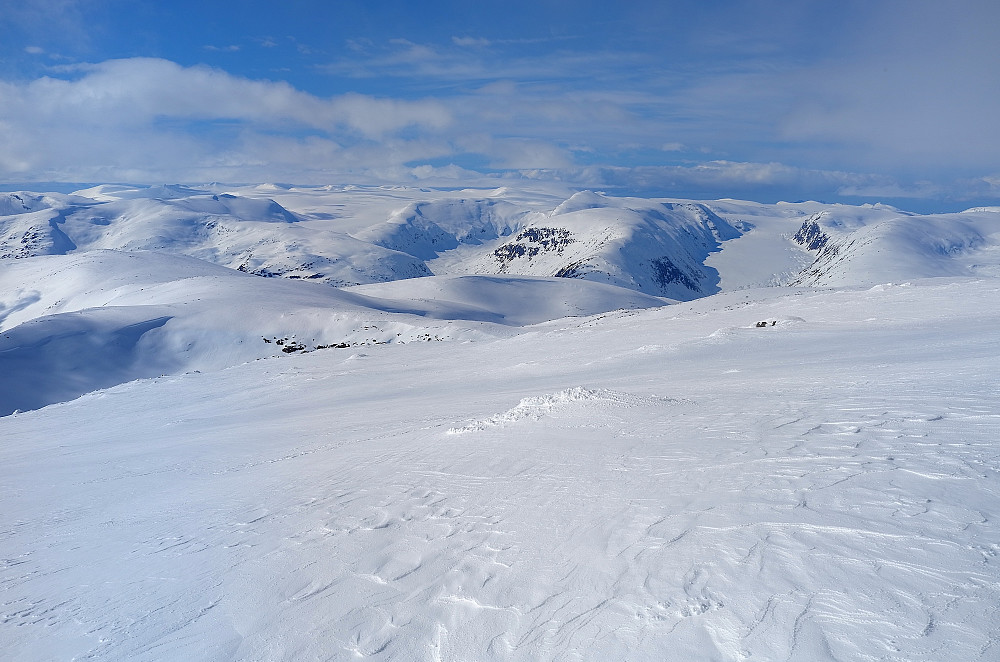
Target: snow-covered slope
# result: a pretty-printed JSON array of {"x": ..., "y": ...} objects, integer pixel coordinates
[
  {"x": 517, "y": 300},
  {"x": 508, "y": 257},
  {"x": 70, "y": 324},
  {"x": 219, "y": 466},
  {"x": 428, "y": 229},
  {"x": 670, "y": 484},
  {"x": 349, "y": 235},
  {"x": 653, "y": 247},
  {"x": 253, "y": 235},
  {"x": 902, "y": 247}
]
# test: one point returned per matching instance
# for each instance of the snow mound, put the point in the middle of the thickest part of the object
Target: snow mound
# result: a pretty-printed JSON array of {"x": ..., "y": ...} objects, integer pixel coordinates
[
  {"x": 516, "y": 300},
  {"x": 537, "y": 407},
  {"x": 74, "y": 323},
  {"x": 107, "y": 192},
  {"x": 580, "y": 201}
]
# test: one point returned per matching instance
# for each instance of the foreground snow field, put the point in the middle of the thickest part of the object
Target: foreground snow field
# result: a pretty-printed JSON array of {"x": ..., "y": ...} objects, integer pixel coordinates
[
  {"x": 603, "y": 429},
  {"x": 667, "y": 484}
]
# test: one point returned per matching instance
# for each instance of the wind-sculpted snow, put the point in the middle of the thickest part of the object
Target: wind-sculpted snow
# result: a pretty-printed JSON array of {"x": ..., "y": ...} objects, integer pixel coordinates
[
  {"x": 536, "y": 407},
  {"x": 633, "y": 488}
]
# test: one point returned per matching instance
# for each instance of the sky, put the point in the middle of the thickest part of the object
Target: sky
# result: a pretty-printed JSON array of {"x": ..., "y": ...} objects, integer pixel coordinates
[{"x": 857, "y": 101}]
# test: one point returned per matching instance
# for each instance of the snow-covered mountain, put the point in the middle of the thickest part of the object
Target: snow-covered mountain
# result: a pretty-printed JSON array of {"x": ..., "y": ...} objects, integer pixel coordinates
[
  {"x": 654, "y": 247},
  {"x": 677, "y": 249},
  {"x": 899, "y": 247},
  {"x": 507, "y": 424},
  {"x": 254, "y": 235},
  {"x": 70, "y": 324},
  {"x": 132, "y": 278},
  {"x": 658, "y": 248},
  {"x": 426, "y": 230}
]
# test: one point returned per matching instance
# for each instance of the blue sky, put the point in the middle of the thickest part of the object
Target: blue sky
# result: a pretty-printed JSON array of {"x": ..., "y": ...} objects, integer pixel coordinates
[{"x": 890, "y": 100}]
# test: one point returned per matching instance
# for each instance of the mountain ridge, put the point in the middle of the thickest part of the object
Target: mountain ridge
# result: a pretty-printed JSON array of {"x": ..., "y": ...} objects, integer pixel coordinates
[{"x": 82, "y": 271}]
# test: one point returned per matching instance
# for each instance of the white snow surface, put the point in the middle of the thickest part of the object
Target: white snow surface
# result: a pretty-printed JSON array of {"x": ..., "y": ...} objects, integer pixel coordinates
[
  {"x": 70, "y": 324},
  {"x": 965, "y": 244},
  {"x": 517, "y": 300},
  {"x": 483, "y": 466}
]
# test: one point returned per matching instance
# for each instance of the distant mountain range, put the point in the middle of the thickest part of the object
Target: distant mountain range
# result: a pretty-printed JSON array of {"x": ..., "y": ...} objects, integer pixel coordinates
[{"x": 118, "y": 282}]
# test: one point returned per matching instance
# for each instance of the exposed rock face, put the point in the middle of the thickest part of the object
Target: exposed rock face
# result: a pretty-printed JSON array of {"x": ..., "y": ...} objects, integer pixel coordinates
[{"x": 811, "y": 235}]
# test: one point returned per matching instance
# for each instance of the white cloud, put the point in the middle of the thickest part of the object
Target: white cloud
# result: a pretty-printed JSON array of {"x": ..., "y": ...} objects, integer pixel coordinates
[
  {"x": 93, "y": 118},
  {"x": 471, "y": 41},
  {"x": 723, "y": 178},
  {"x": 918, "y": 190},
  {"x": 490, "y": 60},
  {"x": 155, "y": 118},
  {"x": 138, "y": 90},
  {"x": 773, "y": 181},
  {"x": 518, "y": 153},
  {"x": 878, "y": 94}
]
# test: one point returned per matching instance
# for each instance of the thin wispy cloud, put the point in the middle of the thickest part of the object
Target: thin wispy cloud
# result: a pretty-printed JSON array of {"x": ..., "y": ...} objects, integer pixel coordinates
[
  {"x": 434, "y": 64},
  {"x": 52, "y": 25}
]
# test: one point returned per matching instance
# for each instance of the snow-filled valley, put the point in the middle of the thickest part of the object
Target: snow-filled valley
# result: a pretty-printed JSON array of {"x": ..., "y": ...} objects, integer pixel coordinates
[{"x": 269, "y": 423}]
